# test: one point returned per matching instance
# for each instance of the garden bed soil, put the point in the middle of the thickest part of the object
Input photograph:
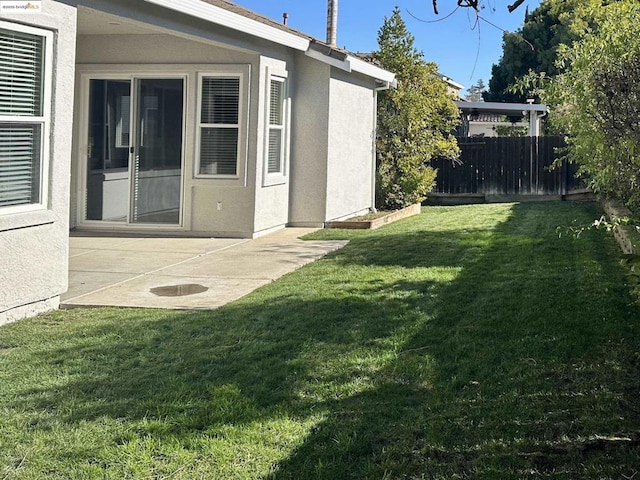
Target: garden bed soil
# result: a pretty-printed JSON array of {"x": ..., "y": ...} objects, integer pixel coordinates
[{"x": 373, "y": 221}]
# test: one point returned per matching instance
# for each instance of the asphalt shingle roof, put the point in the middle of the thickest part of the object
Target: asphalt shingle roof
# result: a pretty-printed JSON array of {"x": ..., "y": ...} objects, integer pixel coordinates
[{"x": 245, "y": 12}]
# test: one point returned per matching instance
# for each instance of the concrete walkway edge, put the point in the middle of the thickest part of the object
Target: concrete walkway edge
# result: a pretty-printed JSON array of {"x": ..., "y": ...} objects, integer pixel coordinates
[{"x": 191, "y": 273}]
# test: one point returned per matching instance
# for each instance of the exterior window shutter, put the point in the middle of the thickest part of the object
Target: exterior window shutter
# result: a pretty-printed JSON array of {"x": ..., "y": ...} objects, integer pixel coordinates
[{"x": 21, "y": 93}]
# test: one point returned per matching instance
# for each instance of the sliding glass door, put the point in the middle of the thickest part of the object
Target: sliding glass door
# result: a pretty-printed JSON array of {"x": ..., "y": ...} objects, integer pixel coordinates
[{"x": 134, "y": 161}]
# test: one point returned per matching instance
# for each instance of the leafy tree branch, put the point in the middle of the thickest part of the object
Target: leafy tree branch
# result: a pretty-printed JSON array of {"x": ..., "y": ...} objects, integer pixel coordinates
[{"x": 415, "y": 119}]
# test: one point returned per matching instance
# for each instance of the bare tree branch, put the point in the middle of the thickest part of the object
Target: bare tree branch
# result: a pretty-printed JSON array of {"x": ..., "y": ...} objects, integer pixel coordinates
[
  {"x": 474, "y": 4},
  {"x": 515, "y": 5}
]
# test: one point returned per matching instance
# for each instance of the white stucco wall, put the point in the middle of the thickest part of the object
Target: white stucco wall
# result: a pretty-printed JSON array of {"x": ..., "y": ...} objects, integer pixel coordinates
[
  {"x": 309, "y": 144},
  {"x": 34, "y": 245},
  {"x": 350, "y": 156},
  {"x": 154, "y": 49},
  {"x": 212, "y": 206},
  {"x": 223, "y": 207},
  {"x": 272, "y": 197},
  {"x": 331, "y": 129}
]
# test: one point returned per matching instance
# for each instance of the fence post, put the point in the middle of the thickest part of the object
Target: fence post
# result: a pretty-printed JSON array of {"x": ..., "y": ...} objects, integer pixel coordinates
[{"x": 531, "y": 169}]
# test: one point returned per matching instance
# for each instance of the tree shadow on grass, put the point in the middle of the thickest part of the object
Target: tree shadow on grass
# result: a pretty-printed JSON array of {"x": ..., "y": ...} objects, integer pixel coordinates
[
  {"x": 502, "y": 368},
  {"x": 526, "y": 364}
]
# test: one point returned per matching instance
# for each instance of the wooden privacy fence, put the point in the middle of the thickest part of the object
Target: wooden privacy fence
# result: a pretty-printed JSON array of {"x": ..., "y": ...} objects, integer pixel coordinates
[{"x": 506, "y": 166}]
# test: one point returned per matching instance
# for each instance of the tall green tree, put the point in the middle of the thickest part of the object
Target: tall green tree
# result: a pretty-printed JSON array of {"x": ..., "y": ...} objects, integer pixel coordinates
[
  {"x": 415, "y": 120},
  {"x": 596, "y": 100},
  {"x": 534, "y": 47}
]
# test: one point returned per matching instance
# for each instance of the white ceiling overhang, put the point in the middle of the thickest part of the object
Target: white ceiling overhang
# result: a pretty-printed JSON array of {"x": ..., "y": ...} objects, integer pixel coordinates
[
  {"x": 234, "y": 21},
  {"x": 96, "y": 22}
]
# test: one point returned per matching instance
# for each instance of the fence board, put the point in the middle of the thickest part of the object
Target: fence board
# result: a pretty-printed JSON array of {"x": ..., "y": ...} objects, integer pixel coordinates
[{"x": 506, "y": 166}]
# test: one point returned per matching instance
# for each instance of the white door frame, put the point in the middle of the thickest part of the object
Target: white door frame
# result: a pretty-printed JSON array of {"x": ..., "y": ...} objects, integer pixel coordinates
[{"x": 131, "y": 73}]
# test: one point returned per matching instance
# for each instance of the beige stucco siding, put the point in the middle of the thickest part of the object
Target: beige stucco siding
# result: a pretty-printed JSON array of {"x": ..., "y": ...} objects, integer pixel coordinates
[
  {"x": 350, "y": 157},
  {"x": 309, "y": 145},
  {"x": 226, "y": 207},
  {"x": 154, "y": 48},
  {"x": 211, "y": 206},
  {"x": 272, "y": 197},
  {"x": 34, "y": 245}
]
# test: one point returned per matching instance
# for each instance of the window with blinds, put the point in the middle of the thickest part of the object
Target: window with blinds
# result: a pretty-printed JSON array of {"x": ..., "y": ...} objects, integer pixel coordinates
[
  {"x": 219, "y": 125},
  {"x": 22, "y": 117},
  {"x": 276, "y": 126}
]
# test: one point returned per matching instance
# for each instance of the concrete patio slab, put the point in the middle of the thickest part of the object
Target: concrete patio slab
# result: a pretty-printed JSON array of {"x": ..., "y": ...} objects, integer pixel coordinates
[
  {"x": 182, "y": 245},
  {"x": 92, "y": 241},
  {"x": 137, "y": 293},
  {"x": 124, "y": 261},
  {"x": 84, "y": 283},
  {"x": 138, "y": 272}
]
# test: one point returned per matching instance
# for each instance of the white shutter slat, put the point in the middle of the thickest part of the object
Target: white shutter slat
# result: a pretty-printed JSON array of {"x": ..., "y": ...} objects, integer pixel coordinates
[
  {"x": 219, "y": 133},
  {"x": 220, "y": 100},
  {"x": 275, "y": 149},
  {"x": 218, "y": 151},
  {"x": 21, "y": 57},
  {"x": 275, "y": 102},
  {"x": 19, "y": 164},
  {"x": 276, "y": 130}
]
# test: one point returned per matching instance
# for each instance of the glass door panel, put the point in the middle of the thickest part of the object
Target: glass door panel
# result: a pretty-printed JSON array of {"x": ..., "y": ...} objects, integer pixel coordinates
[
  {"x": 108, "y": 150},
  {"x": 156, "y": 173},
  {"x": 134, "y": 158}
]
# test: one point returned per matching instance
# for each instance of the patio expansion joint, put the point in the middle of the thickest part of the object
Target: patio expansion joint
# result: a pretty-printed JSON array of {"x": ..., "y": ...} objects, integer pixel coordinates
[
  {"x": 94, "y": 250},
  {"x": 152, "y": 272}
]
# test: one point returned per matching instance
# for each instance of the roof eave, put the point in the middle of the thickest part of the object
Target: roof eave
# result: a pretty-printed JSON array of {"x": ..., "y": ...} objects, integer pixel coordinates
[
  {"x": 370, "y": 70},
  {"x": 349, "y": 63},
  {"x": 234, "y": 21}
]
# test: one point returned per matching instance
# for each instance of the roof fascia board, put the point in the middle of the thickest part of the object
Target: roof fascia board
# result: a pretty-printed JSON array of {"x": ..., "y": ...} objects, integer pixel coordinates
[
  {"x": 351, "y": 64},
  {"x": 454, "y": 84},
  {"x": 234, "y": 21},
  {"x": 370, "y": 70},
  {"x": 334, "y": 62}
]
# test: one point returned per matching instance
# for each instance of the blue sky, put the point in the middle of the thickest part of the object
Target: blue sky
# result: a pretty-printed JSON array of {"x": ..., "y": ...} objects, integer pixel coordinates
[{"x": 452, "y": 43}]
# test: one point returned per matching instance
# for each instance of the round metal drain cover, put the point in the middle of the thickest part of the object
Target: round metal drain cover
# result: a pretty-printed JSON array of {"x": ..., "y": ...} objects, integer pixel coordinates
[{"x": 179, "y": 290}]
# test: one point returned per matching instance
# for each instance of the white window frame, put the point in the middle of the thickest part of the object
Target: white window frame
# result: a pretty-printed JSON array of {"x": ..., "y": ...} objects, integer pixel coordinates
[
  {"x": 44, "y": 120},
  {"x": 279, "y": 177},
  {"x": 243, "y": 101}
]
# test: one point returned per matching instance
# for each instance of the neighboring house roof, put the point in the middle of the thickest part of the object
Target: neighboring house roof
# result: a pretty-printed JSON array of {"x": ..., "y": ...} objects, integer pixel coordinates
[
  {"x": 501, "y": 108},
  {"x": 452, "y": 83},
  {"x": 233, "y": 16}
]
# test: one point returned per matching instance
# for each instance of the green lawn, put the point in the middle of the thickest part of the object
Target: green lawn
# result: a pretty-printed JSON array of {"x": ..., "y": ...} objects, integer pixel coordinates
[{"x": 467, "y": 342}]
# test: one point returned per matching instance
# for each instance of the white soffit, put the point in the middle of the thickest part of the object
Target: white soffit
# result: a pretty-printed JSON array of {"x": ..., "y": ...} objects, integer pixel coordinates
[
  {"x": 234, "y": 21},
  {"x": 353, "y": 64},
  {"x": 334, "y": 62},
  {"x": 370, "y": 70}
]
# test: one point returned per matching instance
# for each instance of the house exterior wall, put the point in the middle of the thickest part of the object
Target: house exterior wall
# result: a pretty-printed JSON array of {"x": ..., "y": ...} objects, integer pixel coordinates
[
  {"x": 331, "y": 127},
  {"x": 309, "y": 145},
  {"x": 34, "y": 245},
  {"x": 271, "y": 198},
  {"x": 351, "y": 135},
  {"x": 223, "y": 207}
]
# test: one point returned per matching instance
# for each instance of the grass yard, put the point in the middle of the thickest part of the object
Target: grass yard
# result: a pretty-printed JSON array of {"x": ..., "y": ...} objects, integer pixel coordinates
[{"x": 463, "y": 343}]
